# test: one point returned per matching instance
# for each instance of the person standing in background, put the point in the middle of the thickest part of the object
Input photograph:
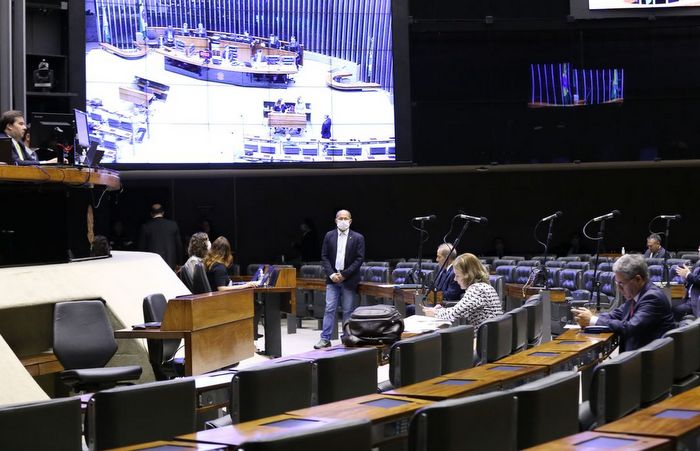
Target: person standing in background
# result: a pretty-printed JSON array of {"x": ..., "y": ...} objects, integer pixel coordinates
[{"x": 161, "y": 236}]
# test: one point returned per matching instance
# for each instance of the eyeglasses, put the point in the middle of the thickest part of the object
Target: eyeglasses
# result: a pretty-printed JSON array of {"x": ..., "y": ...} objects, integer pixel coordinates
[{"x": 623, "y": 283}]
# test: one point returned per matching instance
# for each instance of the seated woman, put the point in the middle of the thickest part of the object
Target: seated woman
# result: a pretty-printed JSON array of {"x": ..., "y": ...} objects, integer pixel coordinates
[
  {"x": 217, "y": 260},
  {"x": 197, "y": 249},
  {"x": 480, "y": 300}
]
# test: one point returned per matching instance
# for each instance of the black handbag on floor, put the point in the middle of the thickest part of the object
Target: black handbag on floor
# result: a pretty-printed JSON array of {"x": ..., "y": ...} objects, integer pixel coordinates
[{"x": 373, "y": 325}]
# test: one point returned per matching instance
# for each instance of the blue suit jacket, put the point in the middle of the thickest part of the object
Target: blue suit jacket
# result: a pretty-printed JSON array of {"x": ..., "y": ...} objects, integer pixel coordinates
[
  {"x": 354, "y": 256},
  {"x": 658, "y": 254},
  {"x": 445, "y": 282},
  {"x": 690, "y": 305},
  {"x": 650, "y": 319}
]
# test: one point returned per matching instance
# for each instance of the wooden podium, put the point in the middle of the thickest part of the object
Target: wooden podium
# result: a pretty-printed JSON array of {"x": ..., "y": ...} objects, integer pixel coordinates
[{"x": 217, "y": 328}]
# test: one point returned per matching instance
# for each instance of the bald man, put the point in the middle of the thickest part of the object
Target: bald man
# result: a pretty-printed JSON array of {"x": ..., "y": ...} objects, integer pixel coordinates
[{"x": 341, "y": 256}]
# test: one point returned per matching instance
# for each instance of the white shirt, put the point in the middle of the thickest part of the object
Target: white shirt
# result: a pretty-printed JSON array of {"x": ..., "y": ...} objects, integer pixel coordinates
[{"x": 340, "y": 253}]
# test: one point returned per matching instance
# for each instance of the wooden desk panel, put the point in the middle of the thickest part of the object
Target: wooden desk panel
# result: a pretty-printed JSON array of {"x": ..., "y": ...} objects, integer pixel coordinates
[
  {"x": 356, "y": 408},
  {"x": 515, "y": 291},
  {"x": 577, "y": 442},
  {"x": 292, "y": 120},
  {"x": 236, "y": 434},
  {"x": 40, "y": 364},
  {"x": 485, "y": 377},
  {"x": 174, "y": 444},
  {"x": 61, "y": 175},
  {"x": 577, "y": 334},
  {"x": 559, "y": 360},
  {"x": 645, "y": 422}
]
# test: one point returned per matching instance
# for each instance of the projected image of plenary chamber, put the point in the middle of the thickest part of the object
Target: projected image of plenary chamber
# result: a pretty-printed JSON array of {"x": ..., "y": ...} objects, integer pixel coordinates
[
  {"x": 242, "y": 81},
  {"x": 561, "y": 85}
]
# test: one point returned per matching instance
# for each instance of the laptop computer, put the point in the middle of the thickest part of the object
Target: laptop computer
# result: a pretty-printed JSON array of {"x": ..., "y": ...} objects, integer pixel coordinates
[
  {"x": 6, "y": 150},
  {"x": 93, "y": 156}
]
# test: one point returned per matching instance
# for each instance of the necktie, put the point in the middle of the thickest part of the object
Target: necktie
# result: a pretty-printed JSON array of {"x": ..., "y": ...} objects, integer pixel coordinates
[
  {"x": 20, "y": 153},
  {"x": 631, "y": 308}
]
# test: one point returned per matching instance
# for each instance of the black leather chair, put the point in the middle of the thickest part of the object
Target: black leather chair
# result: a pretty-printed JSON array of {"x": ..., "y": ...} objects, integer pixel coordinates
[
  {"x": 494, "y": 339},
  {"x": 534, "y": 308},
  {"x": 481, "y": 422},
  {"x": 186, "y": 278},
  {"x": 615, "y": 391},
  {"x": 83, "y": 342},
  {"x": 457, "y": 348},
  {"x": 657, "y": 370},
  {"x": 413, "y": 360},
  {"x": 141, "y": 413},
  {"x": 547, "y": 408},
  {"x": 264, "y": 390},
  {"x": 161, "y": 353},
  {"x": 200, "y": 283},
  {"x": 519, "y": 317},
  {"x": 340, "y": 436},
  {"x": 686, "y": 357},
  {"x": 55, "y": 424},
  {"x": 346, "y": 373}
]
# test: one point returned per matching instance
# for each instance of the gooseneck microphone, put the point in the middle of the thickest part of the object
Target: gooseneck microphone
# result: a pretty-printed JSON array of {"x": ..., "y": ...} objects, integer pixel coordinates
[
  {"x": 612, "y": 214},
  {"x": 671, "y": 217},
  {"x": 551, "y": 217},
  {"x": 425, "y": 218},
  {"x": 478, "y": 220}
]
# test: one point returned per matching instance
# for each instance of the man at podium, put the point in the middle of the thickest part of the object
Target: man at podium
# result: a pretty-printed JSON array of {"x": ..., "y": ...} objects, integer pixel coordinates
[{"x": 13, "y": 126}]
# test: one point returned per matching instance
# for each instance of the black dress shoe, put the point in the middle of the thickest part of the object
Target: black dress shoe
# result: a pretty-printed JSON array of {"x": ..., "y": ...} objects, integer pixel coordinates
[{"x": 322, "y": 343}]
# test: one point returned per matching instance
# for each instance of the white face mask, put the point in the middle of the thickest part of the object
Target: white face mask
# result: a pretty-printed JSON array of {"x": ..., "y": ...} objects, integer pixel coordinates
[
  {"x": 343, "y": 224},
  {"x": 208, "y": 245}
]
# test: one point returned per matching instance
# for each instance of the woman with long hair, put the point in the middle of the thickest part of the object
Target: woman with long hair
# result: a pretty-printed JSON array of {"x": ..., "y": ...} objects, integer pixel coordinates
[
  {"x": 480, "y": 300},
  {"x": 218, "y": 259}
]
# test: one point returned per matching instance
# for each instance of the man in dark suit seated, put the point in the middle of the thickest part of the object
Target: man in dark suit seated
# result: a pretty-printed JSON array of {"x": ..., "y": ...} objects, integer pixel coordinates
[
  {"x": 654, "y": 248},
  {"x": 12, "y": 126},
  {"x": 689, "y": 308},
  {"x": 646, "y": 313},
  {"x": 445, "y": 281},
  {"x": 342, "y": 255}
]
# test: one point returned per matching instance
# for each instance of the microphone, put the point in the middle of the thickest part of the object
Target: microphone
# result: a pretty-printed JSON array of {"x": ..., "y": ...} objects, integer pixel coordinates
[
  {"x": 425, "y": 218},
  {"x": 550, "y": 217},
  {"x": 610, "y": 215},
  {"x": 671, "y": 217},
  {"x": 476, "y": 219}
]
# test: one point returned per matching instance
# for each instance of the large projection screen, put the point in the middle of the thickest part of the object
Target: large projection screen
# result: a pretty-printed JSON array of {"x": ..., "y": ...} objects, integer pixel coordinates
[{"x": 243, "y": 81}]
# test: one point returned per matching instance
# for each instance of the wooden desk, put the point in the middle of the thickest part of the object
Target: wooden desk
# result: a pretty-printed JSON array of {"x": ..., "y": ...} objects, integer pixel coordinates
[
  {"x": 588, "y": 351},
  {"x": 388, "y": 423},
  {"x": 269, "y": 427},
  {"x": 217, "y": 328},
  {"x": 484, "y": 378},
  {"x": 135, "y": 96},
  {"x": 172, "y": 444},
  {"x": 40, "y": 364},
  {"x": 290, "y": 120},
  {"x": 582, "y": 442},
  {"x": 600, "y": 345},
  {"x": 657, "y": 421},
  {"x": 61, "y": 175},
  {"x": 555, "y": 360}
]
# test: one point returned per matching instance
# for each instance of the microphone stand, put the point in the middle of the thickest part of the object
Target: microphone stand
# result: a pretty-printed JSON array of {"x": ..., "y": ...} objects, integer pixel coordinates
[
  {"x": 420, "y": 251},
  {"x": 666, "y": 278},
  {"x": 546, "y": 248},
  {"x": 454, "y": 245},
  {"x": 595, "y": 288}
]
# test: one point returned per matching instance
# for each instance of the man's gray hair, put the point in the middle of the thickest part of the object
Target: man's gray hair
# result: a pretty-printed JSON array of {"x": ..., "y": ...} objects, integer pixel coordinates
[
  {"x": 655, "y": 236},
  {"x": 632, "y": 265},
  {"x": 445, "y": 249}
]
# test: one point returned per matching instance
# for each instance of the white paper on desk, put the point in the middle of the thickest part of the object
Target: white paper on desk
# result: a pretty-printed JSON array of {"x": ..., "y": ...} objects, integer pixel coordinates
[
  {"x": 419, "y": 324},
  {"x": 571, "y": 326},
  {"x": 387, "y": 285}
]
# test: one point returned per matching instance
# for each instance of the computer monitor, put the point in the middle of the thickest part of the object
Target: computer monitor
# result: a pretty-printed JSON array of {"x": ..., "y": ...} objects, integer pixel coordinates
[
  {"x": 82, "y": 132},
  {"x": 49, "y": 129}
]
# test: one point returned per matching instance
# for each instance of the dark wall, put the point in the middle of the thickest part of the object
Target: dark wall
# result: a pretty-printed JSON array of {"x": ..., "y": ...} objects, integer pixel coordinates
[{"x": 261, "y": 215}]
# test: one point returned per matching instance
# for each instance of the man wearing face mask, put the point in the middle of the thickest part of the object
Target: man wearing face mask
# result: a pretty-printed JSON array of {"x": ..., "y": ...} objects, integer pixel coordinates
[{"x": 342, "y": 255}]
